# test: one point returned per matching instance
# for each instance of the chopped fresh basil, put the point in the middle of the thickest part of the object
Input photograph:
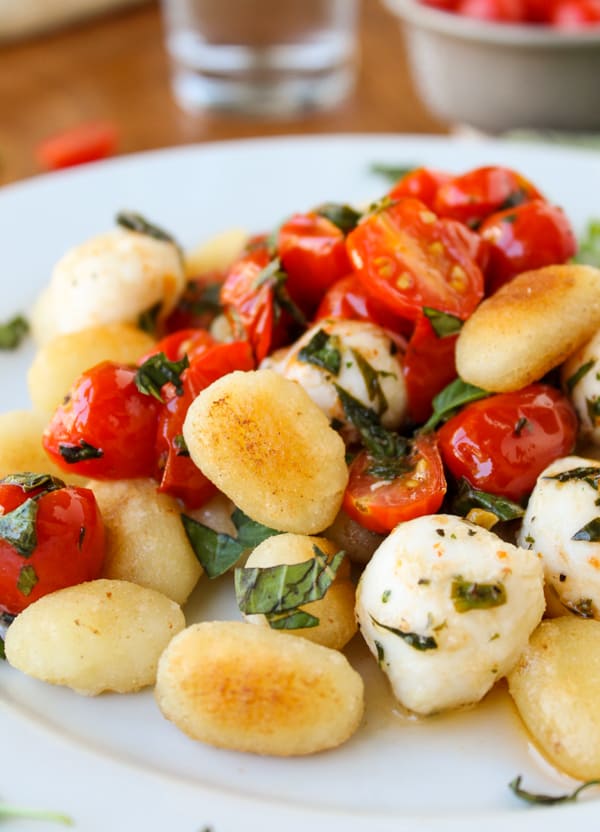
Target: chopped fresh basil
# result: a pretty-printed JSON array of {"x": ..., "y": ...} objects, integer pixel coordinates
[
  {"x": 180, "y": 445},
  {"x": 275, "y": 276},
  {"x": 392, "y": 172},
  {"x": 217, "y": 552},
  {"x": 13, "y": 332},
  {"x": 388, "y": 468},
  {"x": 584, "y": 608},
  {"x": 277, "y": 592},
  {"x": 8, "y": 811},
  {"x": 451, "y": 399},
  {"x": 148, "y": 319},
  {"x": 582, "y": 371},
  {"x": 589, "y": 532},
  {"x": 546, "y": 799},
  {"x": 470, "y": 595},
  {"x": 371, "y": 379},
  {"x": 133, "y": 221},
  {"x": 157, "y": 371},
  {"x": 593, "y": 409},
  {"x": 589, "y": 474},
  {"x": 201, "y": 299},
  {"x": 17, "y": 527},
  {"x": 589, "y": 245},
  {"x": 323, "y": 350},
  {"x": 79, "y": 452},
  {"x": 385, "y": 597},
  {"x": 32, "y": 482},
  {"x": 517, "y": 197},
  {"x": 520, "y": 425},
  {"x": 443, "y": 324},
  {"x": 2, "y": 653},
  {"x": 27, "y": 579},
  {"x": 380, "y": 653},
  {"x": 380, "y": 442},
  {"x": 418, "y": 642},
  {"x": 343, "y": 216},
  {"x": 468, "y": 498}
]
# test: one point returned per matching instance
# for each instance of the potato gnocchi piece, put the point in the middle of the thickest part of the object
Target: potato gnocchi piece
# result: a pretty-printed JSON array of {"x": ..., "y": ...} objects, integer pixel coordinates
[
  {"x": 112, "y": 278},
  {"x": 216, "y": 253},
  {"x": 21, "y": 447},
  {"x": 98, "y": 636},
  {"x": 335, "y": 611},
  {"x": 529, "y": 326},
  {"x": 145, "y": 539},
  {"x": 251, "y": 689},
  {"x": 556, "y": 688},
  {"x": 581, "y": 380},
  {"x": 60, "y": 361},
  {"x": 267, "y": 446}
]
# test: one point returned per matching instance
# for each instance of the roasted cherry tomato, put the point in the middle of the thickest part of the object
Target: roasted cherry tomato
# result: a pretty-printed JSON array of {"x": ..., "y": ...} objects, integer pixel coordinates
[
  {"x": 379, "y": 501},
  {"x": 529, "y": 236},
  {"x": 421, "y": 183},
  {"x": 106, "y": 427},
  {"x": 501, "y": 444},
  {"x": 313, "y": 254},
  {"x": 408, "y": 258},
  {"x": 51, "y": 537},
  {"x": 475, "y": 195},
  {"x": 498, "y": 11},
  {"x": 575, "y": 14},
  {"x": 428, "y": 366},
  {"x": 190, "y": 342},
  {"x": 347, "y": 299},
  {"x": 198, "y": 305}
]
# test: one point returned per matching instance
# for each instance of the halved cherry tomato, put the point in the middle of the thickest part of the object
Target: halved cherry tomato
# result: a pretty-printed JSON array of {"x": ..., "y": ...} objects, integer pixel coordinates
[
  {"x": 106, "y": 428},
  {"x": 421, "y": 183},
  {"x": 475, "y": 195},
  {"x": 190, "y": 342},
  {"x": 379, "y": 504},
  {"x": 57, "y": 540},
  {"x": 408, "y": 258},
  {"x": 428, "y": 366},
  {"x": 347, "y": 299},
  {"x": 313, "y": 254},
  {"x": 529, "y": 236},
  {"x": 501, "y": 444},
  {"x": 77, "y": 145}
]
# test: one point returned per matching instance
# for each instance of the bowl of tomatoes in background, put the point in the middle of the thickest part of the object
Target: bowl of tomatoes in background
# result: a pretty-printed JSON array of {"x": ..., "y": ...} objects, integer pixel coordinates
[{"x": 497, "y": 65}]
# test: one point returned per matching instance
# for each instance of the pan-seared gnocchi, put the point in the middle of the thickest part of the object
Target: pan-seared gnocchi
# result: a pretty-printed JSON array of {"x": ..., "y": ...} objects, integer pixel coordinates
[
  {"x": 103, "y": 635},
  {"x": 246, "y": 688}
]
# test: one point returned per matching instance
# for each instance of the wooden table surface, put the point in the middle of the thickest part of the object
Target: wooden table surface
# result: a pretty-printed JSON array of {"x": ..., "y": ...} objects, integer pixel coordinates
[{"x": 115, "y": 67}]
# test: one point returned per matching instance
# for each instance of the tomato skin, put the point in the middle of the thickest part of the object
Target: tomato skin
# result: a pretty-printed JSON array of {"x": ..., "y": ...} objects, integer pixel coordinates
[
  {"x": 495, "y": 450},
  {"x": 408, "y": 258},
  {"x": 529, "y": 236},
  {"x": 78, "y": 145},
  {"x": 421, "y": 183},
  {"x": 313, "y": 254},
  {"x": 575, "y": 14},
  {"x": 410, "y": 495},
  {"x": 348, "y": 300},
  {"x": 64, "y": 555},
  {"x": 428, "y": 366},
  {"x": 194, "y": 310},
  {"x": 497, "y": 11},
  {"x": 190, "y": 342},
  {"x": 105, "y": 409},
  {"x": 473, "y": 196}
]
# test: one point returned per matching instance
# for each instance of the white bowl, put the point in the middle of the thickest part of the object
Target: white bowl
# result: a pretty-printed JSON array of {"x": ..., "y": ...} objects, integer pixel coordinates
[{"x": 496, "y": 76}]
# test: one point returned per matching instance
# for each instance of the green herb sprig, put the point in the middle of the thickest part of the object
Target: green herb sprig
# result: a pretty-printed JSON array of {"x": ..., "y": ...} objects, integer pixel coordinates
[
  {"x": 546, "y": 799},
  {"x": 13, "y": 332}
]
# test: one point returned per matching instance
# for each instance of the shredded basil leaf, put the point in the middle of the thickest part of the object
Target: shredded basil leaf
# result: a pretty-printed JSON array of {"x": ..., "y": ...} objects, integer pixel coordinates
[
  {"x": 593, "y": 409},
  {"x": 418, "y": 642},
  {"x": 451, "y": 399},
  {"x": 17, "y": 527},
  {"x": 13, "y": 332},
  {"x": 371, "y": 379},
  {"x": 79, "y": 452},
  {"x": 389, "y": 468},
  {"x": 274, "y": 590},
  {"x": 392, "y": 172},
  {"x": 323, "y": 350},
  {"x": 295, "y": 620},
  {"x": 443, "y": 323},
  {"x": 380, "y": 442},
  {"x": 470, "y": 595},
  {"x": 513, "y": 200},
  {"x": 27, "y": 579},
  {"x": 343, "y": 217},
  {"x": 249, "y": 533},
  {"x": 573, "y": 380},
  {"x": 148, "y": 319},
  {"x": 584, "y": 608},
  {"x": 589, "y": 245},
  {"x": 133, "y": 221},
  {"x": 8, "y": 811},
  {"x": 468, "y": 497},
  {"x": 589, "y": 532},
  {"x": 588, "y": 474},
  {"x": 157, "y": 371},
  {"x": 546, "y": 799},
  {"x": 32, "y": 482},
  {"x": 180, "y": 445},
  {"x": 275, "y": 276}
]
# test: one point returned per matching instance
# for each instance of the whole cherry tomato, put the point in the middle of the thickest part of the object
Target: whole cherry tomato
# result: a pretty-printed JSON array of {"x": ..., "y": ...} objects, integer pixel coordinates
[
  {"x": 529, "y": 236},
  {"x": 380, "y": 499},
  {"x": 421, "y": 183},
  {"x": 473, "y": 196},
  {"x": 502, "y": 443},
  {"x": 428, "y": 366},
  {"x": 498, "y": 11},
  {"x": 313, "y": 254},
  {"x": 575, "y": 14},
  {"x": 106, "y": 427},
  {"x": 408, "y": 258},
  {"x": 51, "y": 537}
]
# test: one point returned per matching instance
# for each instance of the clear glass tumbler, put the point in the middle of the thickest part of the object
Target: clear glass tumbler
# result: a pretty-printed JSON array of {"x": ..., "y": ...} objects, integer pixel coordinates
[{"x": 261, "y": 57}]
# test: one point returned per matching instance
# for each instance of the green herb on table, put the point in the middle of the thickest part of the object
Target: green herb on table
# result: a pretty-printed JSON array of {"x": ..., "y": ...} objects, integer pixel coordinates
[
  {"x": 546, "y": 799},
  {"x": 8, "y": 811},
  {"x": 13, "y": 332},
  {"x": 391, "y": 172}
]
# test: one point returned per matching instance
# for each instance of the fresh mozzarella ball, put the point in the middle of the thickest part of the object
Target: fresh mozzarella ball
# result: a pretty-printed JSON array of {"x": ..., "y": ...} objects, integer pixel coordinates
[
  {"x": 581, "y": 377},
  {"x": 447, "y": 607},
  {"x": 380, "y": 361},
  {"x": 113, "y": 278},
  {"x": 557, "y": 511}
]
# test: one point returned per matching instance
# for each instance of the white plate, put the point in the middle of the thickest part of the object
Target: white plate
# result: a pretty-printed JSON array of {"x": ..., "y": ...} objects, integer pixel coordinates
[{"x": 112, "y": 762}]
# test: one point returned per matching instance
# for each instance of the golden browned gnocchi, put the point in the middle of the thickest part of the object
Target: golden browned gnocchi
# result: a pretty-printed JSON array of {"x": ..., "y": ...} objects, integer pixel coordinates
[
  {"x": 335, "y": 611},
  {"x": 145, "y": 539},
  {"x": 98, "y": 636},
  {"x": 556, "y": 688},
  {"x": 62, "y": 359},
  {"x": 262, "y": 440},
  {"x": 246, "y": 688}
]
